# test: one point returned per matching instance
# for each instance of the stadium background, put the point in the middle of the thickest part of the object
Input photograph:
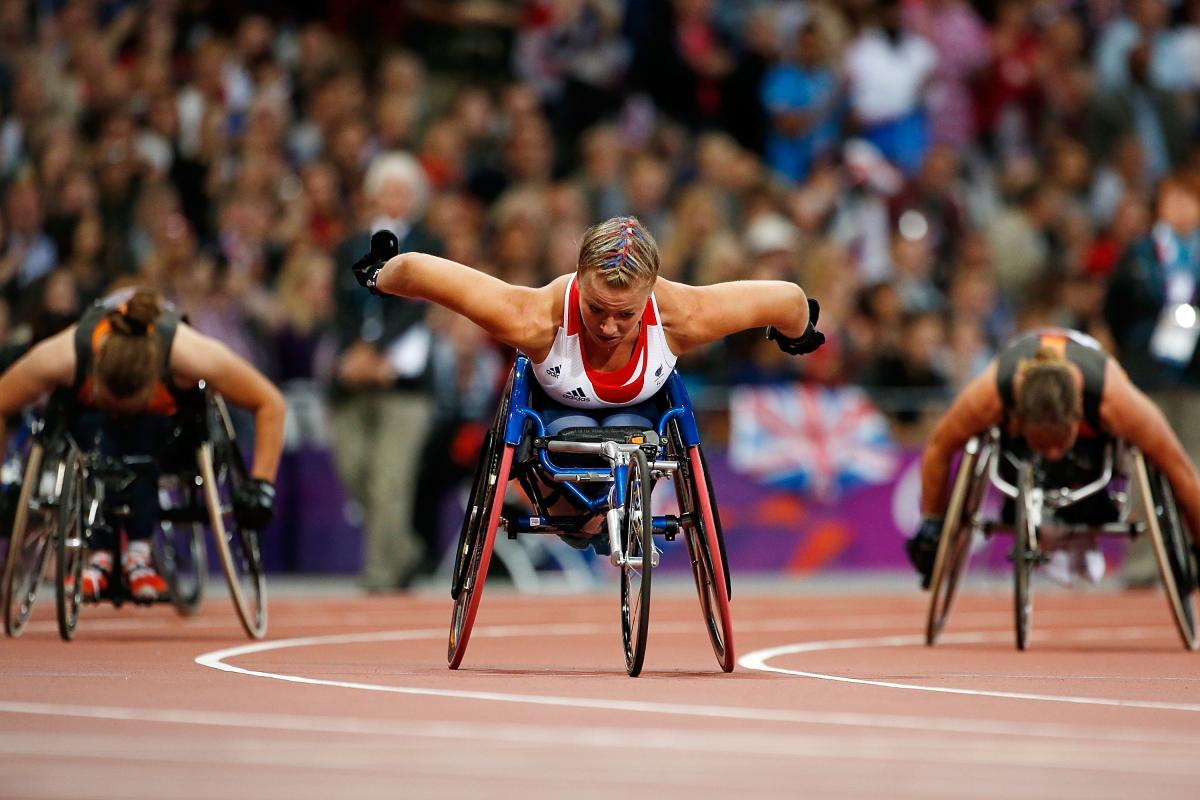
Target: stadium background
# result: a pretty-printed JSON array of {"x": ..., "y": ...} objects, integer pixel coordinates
[{"x": 977, "y": 170}]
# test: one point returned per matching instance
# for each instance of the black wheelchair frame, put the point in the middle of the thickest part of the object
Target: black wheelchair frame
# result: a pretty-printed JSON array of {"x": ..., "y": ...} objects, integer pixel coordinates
[
  {"x": 62, "y": 506},
  {"x": 629, "y": 462},
  {"x": 1145, "y": 506}
]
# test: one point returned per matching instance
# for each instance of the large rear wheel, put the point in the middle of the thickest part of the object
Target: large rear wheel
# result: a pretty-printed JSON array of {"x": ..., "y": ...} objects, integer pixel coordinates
[
  {"x": 32, "y": 538},
  {"x": 476, "y": 544},
  {"x": 954, "y": 546},
  {"x": 1172, "y": 548},
  {"x": 702, "y": 531},
  {"x": 223, "y": 471}
]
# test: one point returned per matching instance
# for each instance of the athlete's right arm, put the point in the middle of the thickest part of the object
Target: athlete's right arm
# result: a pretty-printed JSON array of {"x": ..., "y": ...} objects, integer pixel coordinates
[
  {"x": 975, "y": 410},
  {"x": 518, "y": 316},
  {"x": 46, "y": 367}
]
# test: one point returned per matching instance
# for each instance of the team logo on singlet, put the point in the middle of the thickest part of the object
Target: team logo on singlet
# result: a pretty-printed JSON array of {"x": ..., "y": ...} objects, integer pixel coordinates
[
  {"x": 577, "y": 395},
  {"x": 554, "y": 371}
]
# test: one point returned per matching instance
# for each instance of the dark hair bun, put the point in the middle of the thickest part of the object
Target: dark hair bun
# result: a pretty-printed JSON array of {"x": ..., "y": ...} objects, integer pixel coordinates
[{"x": 136, "y": 316}]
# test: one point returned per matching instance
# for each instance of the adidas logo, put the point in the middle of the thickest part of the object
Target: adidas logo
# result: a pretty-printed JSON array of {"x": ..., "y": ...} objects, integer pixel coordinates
[
  {"x": 576, "y": 395},
  {"x": 554, "y": 371}
]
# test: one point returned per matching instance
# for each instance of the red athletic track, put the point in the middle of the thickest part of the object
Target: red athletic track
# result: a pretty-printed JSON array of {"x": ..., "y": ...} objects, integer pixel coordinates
[{"x": 542, "y": 706}]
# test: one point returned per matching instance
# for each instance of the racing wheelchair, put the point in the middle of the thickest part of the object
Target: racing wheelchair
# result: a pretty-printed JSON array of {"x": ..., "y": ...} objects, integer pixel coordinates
[
  {"x": 622, "y": 465},
  {"x": 1133, "y": 499},
  {"x": 65, "y": 502}
]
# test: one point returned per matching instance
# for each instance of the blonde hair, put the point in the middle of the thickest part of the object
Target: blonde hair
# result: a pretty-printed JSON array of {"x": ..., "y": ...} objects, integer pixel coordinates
[
  {"x": 622, "y": 251},
  {"x": 127, "y": 360},
  {"x": 1048, "y": 397}
]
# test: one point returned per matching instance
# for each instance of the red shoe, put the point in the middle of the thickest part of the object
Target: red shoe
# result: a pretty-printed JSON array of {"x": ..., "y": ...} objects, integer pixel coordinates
[
  {"x": 94, "y": 579},
  {"x": 145, "y": 584}
]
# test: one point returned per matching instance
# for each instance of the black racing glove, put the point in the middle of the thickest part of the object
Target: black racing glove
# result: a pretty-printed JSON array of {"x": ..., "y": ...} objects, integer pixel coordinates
[
  {"x": 384, "y": 245},
  {"x": 254, "y": 504},
  {"x": 807, "y": 342},
  {"x": 922, "y": 548}
]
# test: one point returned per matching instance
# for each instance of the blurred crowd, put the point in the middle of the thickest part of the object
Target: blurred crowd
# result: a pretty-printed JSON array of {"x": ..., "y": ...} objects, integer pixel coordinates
[{"x": 938, "y": 173}]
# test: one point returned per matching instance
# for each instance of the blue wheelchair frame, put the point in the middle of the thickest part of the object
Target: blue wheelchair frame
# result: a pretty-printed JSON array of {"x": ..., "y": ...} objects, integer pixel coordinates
[
  {"x": 522, "y": 415},
  {"x": 630, "y": 461}
]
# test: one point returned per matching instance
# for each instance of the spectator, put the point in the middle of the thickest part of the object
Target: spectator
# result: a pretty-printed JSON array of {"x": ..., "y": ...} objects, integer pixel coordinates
[
  {"x": 1137, "y": 106},
  {"x": 382, "y": 407},
  {"x": 802, "y": 97},
  {"x": 888, "y": 71},
  {"x": 29, "y": 254},
  {"x": 960, "y": 40}
]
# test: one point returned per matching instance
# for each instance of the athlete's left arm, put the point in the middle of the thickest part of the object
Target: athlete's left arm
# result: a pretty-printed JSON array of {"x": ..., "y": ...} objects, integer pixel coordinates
[
  {"x": 696, "y": 315},
  {"x": 1130, "y": 415},
  {"x": 196, "y": 357}
]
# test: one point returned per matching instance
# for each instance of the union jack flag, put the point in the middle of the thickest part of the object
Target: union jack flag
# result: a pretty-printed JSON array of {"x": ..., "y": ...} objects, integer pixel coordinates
[{"x": 820, "y": 440}]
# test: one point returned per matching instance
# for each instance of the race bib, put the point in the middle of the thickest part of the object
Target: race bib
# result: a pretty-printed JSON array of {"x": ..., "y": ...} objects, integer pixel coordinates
[{"x": 1176, "y": 334}]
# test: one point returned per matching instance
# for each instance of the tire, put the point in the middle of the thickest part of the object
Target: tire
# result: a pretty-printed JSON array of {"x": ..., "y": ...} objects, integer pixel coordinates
[
  {"x": 179, "y": 551},
  {"x": 71, "y": 545},
  {"x": 476, "y": 544},
  {"x": 30, "y": 543},
  {"x": 954, "y": 546},
  {"x": 637, "y": 545},
  {"x": 702, "y": 531},
  {"x": 1024, "y": 556},
  {"x": 481, "y": 486},
  {"x": 1176, "y": 566},
  {"x": 222, "y": 472}
]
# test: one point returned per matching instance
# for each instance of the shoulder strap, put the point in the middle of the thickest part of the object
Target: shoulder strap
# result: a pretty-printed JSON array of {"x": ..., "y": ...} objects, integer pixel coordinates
[
  {"x": 1091, "y": 362},
  {"x": 84, "y": 332},
  {"x": 1006, "y": 368}
]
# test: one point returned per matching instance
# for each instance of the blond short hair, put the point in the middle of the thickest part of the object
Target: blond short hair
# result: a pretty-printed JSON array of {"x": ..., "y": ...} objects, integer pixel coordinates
[
  {"x": 622, "y": 250},
  {"x": 1048, "y": 397}
]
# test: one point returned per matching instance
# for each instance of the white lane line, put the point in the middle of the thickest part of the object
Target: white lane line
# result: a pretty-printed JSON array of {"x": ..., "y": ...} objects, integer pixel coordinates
[
  {"x": 758, "y": 659},
  {"x": 219, "y": 660},
  {"x": 378, "y": 616},
  {"x": 1175, "y": 757}
]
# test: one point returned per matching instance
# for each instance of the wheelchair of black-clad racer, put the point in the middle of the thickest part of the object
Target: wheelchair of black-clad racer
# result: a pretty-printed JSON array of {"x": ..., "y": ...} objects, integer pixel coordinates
[
  {"x": 627, "y": 463},
  {"x": 1141, "y": 499},
  {"x": 62, "y": 505}
]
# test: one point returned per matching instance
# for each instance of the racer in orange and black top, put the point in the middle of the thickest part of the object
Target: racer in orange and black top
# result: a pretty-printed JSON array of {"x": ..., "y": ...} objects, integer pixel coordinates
[
  {"x": 124, "y": 371},
  {"x": 1056, "y": 394}
]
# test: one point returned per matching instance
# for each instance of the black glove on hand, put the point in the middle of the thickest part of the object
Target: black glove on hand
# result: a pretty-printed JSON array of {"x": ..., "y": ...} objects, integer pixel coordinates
[
  {"x": 922, "y": 548},
  {"x": 809, "y": 341},
  {"x": 384, "y": 245},
  {"x": 254, "y": 504}
]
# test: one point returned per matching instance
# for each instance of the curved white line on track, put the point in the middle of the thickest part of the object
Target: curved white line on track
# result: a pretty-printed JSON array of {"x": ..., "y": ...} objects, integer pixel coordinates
[
  {"x": 218, "y": 660},
  {"x": 758, "y": 659}
]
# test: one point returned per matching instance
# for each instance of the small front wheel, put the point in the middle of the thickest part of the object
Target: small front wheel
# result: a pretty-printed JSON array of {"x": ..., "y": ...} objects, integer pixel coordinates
[
  {"x": 72, "y": 547},
  {"x": 1025, "y": 556},
  {"x": 637, "y": 546}
]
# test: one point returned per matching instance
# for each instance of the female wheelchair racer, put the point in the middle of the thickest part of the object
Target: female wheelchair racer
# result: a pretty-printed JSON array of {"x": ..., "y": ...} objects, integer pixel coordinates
[
  {"x": 1061, "y": 415},
  {"x": 123, "y": 380},
  {"x": 601, "y": 343}
]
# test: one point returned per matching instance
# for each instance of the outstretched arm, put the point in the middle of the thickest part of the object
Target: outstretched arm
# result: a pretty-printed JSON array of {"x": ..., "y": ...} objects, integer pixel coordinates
[
  {"x": 46, "y": 367},
  {"x": 696, "y": 315},
  {"x": 197, "y": 357},
  {"x": 1130, "y": 415},
  {"x": 976, "y": 409},
  {"x": 515, "y": 315}
]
